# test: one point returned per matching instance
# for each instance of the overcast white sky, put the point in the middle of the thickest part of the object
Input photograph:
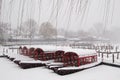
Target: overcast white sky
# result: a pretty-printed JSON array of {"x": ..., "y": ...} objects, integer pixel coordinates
[{"x": 70, "y": 15}]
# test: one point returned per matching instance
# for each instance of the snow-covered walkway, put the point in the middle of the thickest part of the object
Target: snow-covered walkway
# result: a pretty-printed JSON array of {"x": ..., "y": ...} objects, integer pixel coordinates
[{"x": 10, "y": 71}]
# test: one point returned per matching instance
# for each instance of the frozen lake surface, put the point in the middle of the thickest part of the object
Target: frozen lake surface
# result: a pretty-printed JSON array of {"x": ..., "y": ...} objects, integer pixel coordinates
[{"x": 11, "y": 71}]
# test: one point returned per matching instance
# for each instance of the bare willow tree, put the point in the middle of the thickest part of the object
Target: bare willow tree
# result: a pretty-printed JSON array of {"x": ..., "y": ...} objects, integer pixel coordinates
[
  {"x": 97, "y": 30},
  {"x": 4, "y": 32},
  {"x": 28, "y": 28},
  {"x": 82, "y": 33},
  {"x": 47, "y": 30}
]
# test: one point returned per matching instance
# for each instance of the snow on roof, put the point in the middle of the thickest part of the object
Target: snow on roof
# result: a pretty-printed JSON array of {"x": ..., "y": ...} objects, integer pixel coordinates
[
  {"x": 48, "y": 47},
  {"x": 44, "y": 47},
  {"x": 82, "y": 52}
]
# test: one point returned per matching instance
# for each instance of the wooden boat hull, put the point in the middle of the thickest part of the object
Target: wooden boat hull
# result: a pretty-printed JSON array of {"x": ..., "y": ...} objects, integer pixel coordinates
[
  {"x": 69, "y": 71},
  {"x": 30, "y": 65}
]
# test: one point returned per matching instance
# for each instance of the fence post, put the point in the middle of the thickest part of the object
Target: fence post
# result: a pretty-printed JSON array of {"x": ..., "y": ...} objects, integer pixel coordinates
[
  {"x": 107, "y": 54},
  {"x": 3, "y": 51},
  {"x": 102, "y": 57},
  {"x": 113, "y": 57},
  {"x": 99, "y": 54},
  {"x": 117, "y": 55}
]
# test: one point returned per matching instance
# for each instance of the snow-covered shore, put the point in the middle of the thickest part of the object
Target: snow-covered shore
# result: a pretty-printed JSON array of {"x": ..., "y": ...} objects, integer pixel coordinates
[{"x": 10, "y": 71}]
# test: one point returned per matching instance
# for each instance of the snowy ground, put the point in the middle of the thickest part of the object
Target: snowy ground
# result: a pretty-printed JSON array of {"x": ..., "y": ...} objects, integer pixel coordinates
[{"x": 10, "y": 71}]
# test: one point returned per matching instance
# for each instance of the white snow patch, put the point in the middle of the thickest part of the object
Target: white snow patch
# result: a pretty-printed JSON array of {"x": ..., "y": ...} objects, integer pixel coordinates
[
  {"x": 80, "y": 67},
  {"x": 10, "y": 71}
]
